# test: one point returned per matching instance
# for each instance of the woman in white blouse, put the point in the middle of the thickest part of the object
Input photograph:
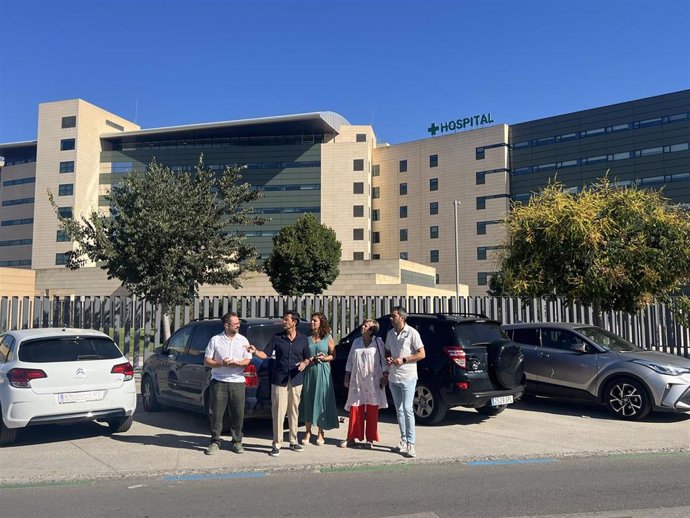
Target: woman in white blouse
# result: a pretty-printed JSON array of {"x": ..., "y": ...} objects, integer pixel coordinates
[{"x": 366, "y": 376}]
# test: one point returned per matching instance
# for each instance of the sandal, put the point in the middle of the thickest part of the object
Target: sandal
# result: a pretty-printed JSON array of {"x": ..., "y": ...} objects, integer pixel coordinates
[
  {"x": 346, "y": 444},
  {"x": 306, "y": 439},
  {"x": 320, "y": 438}
]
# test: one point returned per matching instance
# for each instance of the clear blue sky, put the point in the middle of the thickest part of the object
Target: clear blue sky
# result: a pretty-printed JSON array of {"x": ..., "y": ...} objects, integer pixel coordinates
[{"x": 397, "y": 64}]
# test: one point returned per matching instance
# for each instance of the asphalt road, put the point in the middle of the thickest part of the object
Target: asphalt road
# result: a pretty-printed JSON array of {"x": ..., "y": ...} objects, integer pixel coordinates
[{"x": 625, "y": 485}]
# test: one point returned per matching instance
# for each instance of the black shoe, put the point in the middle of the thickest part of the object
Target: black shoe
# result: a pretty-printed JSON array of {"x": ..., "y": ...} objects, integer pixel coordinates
[
  {"x": 275, "y": 452},
  {"x": 296, "y": 447},
  {"x": 237, "y": 447}
]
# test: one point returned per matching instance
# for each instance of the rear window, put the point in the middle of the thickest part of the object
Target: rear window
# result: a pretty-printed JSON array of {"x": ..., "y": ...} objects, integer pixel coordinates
[
  {"x": 475, "y": 333},
  {"x": 51, "y": 350}
]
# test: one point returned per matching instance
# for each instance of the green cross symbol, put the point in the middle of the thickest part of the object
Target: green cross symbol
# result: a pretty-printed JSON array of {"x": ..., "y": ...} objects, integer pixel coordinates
[{"x": 433, "y": 129}]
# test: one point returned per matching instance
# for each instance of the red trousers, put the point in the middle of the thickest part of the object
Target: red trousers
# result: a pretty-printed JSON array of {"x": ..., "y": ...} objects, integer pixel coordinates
[{"x": 359, "y": 415}]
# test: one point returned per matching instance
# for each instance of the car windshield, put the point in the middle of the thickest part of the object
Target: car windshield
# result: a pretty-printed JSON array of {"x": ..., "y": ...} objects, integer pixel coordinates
[
  {"x": 49, "y": 350},
  {"x": 476, "y": 333},
  {"x": 608, "y": 340}
]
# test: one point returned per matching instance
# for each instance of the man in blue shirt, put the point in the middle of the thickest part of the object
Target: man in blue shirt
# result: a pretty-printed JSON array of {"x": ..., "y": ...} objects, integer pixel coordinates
[{"x": 291, "y": 350}]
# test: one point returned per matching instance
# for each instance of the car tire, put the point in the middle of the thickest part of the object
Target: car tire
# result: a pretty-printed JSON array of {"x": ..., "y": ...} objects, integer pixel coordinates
[
  {"x": 627, "y": 398},
  {"x": 7, "y": 435},
  {"x": 209, "y": 414},
  {"x": 120, "y": 425},
  {"x": 506, "y": 364},
  {"x": 428, "y": 407},
  {"x": 491, "y": 410},
  {"x": 148, "y": 395}
]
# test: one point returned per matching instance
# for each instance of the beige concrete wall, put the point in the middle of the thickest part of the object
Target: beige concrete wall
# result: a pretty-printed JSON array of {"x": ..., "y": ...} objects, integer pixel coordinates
[
  {"x": 91, "y": 122},
  {"x": 456, "y": 174},
  {"x": 12, "y": 212},
  {"x": 17, "y": 282},
  {"x": 357, "y": 278},
  {"x": 337, "y": 179}
]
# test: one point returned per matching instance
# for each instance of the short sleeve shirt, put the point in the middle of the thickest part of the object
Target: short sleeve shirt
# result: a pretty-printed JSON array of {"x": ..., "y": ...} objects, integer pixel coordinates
[
  {"x": 288, "y": 353},
  {"x": 405, "y": 343},
  {"x": 222, "y": 346}
]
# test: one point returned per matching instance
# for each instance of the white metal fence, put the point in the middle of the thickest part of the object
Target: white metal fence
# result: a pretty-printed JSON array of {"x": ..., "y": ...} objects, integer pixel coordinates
[{"x": 136, "y": 325}]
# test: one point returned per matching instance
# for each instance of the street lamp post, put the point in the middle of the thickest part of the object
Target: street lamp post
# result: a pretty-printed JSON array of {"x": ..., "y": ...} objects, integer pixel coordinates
[{"x": 456, "y": 204}]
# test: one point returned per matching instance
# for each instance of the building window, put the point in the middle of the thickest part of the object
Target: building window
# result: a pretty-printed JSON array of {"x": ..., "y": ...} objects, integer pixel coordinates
[
  {"x": 60, "y": 259},
  {"x": 67, "y": 144},
  {"x": 433, "y": 208},
  {"x": 481, "y": 178},
  {"x": 376, "y": 170},
  {"x": 61, "y": 236},
  {"x": 66, "y": 189},
  {"x": 479, "y": 153},
  {"x": 403, "y": 211},
  {"x": 433, "y": 232},
  {"x": 403, "y": 189},
  {"x": 433, "y": 256},
  {"x": 358, "y": 211},
  {"x": 433, "y": 160},
  {"x": 376, "y": 237},
  {"x": 403, "y": 234},
  {"x": 438, "y": 279},
  {"x": 69, "y": 122},
  {"x": 483, "y": 278},
  {"x": 481, "y": 200},
  {"x": 376, "y": 257},
  {"x": 403, "y": 256},
  {"x": 358, "y": 234},
  {"x": 361, "y": 137},
  {"x": 358, "y": 256},
  {"x": 403, "y": 166},
  {"x": 433, "y": 184},
  {"x": 65, "y": 212},
  {"x": 358, "y": 188},
  {"x": 358, "y": 164},
  {"x": 67, "y": 167},
  {"x": 376, "y": 192},
  {"x": 481, "y": 225},
  {"x": 376, "y": 214}
]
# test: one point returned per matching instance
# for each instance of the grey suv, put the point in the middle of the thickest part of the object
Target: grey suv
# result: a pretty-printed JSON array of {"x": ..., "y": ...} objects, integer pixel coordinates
[
  {"x": 587, "y": 362},
  {"x": 175, "y": 374}
]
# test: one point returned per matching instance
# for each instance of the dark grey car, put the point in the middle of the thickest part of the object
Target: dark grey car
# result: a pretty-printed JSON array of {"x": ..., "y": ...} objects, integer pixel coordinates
[{"x": 587, "y": 362}]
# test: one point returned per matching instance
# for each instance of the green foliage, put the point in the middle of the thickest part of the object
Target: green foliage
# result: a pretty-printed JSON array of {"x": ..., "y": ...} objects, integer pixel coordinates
[
  {"x": 614, "y": 248},
  {"x": 304, "y": 259},
  {"x": 165, "y": 232}
]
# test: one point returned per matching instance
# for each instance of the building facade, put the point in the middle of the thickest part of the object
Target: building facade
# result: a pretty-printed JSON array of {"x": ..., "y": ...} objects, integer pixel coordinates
[{"x": 406, "y": 202}]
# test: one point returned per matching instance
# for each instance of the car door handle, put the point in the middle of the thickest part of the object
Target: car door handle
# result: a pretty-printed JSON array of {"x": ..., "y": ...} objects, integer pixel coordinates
[{"x": 544, "y": 355}]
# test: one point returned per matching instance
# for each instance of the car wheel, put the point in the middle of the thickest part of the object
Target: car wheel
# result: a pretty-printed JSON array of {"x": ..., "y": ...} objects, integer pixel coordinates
[
  {"x": 120, "y": 425},
  {"x": 626, "y": 398},
  {"x": 148, "y": 395},
  {"x": 491, "y": 410},
  {"x": 427, "y": 404},
  {"x": 506, "y": 364},
  {"x": 209, "y": 414},
  {"x": 7, "y": 435}
]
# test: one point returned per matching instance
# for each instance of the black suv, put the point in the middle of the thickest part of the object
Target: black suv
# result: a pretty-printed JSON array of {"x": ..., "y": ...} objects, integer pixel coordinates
[
  {"x": 469, "y": 362},
  {"x": 175, "y": 373}
]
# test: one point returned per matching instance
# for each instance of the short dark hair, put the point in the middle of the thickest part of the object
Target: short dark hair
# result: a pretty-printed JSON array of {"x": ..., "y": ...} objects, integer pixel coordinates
[
  {"x": 293, "y": 315},
  {"x": 400, "y": 311},
  {"x": 227, "y": 316}
]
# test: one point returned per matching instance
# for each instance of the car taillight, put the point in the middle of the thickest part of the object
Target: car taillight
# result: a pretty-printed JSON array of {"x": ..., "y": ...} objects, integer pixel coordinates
[
  {"x": 124, "y": 368},
  {"x": 456, "y": 354},
  {"x": 251, "y": 379},
  {"x": 21, "y": 378},
  {"x": 463, "y": 385}
]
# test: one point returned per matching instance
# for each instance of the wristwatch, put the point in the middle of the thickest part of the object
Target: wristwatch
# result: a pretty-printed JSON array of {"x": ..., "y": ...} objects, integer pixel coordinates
[{"x": 404, "y": 360}]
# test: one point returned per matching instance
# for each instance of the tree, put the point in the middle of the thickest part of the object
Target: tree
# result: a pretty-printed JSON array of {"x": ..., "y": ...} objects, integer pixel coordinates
[
  {"x": 165, "y": 233},
  {"x": 304, "y": 259},
  {"x": 613, "y": 248}
]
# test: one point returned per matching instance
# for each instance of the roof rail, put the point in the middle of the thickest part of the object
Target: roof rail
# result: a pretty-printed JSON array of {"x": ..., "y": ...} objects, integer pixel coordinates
[{"x": 450, "y": 313}]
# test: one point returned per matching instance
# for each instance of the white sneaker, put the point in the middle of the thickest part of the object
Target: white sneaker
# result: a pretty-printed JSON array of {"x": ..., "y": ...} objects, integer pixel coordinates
[
  {"x": 410, "y": 451},
  {"x": 401, "y": 447}
]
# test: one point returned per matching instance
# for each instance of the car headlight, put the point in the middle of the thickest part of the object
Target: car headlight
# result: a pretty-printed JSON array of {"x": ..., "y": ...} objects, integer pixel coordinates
[{"x": 669, "y": 370}]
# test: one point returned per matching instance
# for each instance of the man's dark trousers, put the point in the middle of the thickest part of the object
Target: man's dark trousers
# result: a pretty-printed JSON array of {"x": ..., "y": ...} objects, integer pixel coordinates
[{"x": 231, "y": 396}]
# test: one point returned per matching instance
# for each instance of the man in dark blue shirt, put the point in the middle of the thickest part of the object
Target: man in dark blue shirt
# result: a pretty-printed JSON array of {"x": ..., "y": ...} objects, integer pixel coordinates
[{"x": 291, "y": 350}]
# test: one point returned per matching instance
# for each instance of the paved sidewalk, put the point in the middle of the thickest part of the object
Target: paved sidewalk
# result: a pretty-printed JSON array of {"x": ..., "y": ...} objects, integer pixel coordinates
[{"x": 172, "y": 442}]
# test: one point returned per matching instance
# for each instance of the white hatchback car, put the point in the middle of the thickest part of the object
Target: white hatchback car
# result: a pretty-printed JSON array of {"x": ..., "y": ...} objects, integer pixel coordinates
[{"x": 62, "y": 375}]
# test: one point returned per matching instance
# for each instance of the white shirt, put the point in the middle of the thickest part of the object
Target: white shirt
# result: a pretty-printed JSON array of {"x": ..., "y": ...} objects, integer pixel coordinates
[
  {"x": 402, "y": 344},
  {"x": 221, "y": 346}
]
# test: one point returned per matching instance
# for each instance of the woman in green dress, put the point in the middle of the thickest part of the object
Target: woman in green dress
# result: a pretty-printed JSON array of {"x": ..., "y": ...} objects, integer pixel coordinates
[{"x": 318, "y": 399}]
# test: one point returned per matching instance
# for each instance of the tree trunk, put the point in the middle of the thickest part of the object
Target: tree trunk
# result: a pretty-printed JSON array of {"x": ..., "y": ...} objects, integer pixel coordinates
[
  {"x": 166, "y": 320},
  {"x": 596, "y": 309}
]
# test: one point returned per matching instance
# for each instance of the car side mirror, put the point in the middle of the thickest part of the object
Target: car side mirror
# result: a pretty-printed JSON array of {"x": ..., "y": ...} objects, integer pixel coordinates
[{"x": 580, "y": 347}]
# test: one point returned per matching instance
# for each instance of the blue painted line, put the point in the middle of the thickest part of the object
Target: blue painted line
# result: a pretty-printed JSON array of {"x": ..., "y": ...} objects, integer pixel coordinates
[
  {"x": 514, "y": 461},
  {"x": 216, "y": 476}
]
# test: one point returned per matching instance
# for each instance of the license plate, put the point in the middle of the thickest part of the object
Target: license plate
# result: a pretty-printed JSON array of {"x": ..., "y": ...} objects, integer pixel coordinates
[
  {"x": 503, "y": 400},
  {"x": 79, "y": 397}
]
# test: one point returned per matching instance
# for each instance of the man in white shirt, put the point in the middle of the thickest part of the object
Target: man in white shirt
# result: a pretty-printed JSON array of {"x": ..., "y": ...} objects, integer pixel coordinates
[
  {"x": 227, "y": 354},
  {"x": 404, "y": 349}
]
